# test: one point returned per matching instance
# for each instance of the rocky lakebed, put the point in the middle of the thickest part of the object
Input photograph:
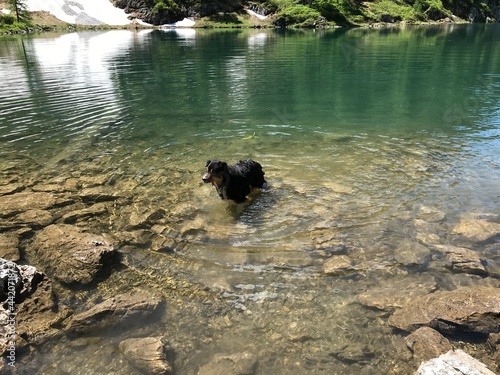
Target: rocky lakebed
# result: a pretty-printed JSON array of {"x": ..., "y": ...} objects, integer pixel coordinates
[{"x": 108, "y": 280}]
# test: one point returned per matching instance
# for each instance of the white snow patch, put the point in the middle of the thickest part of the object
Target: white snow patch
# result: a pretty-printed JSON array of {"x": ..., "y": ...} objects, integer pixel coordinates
[
  {"x": 186, "y": 22},
  {"x": 88, "y": 12},
  {"x": 252, "y": 13}
]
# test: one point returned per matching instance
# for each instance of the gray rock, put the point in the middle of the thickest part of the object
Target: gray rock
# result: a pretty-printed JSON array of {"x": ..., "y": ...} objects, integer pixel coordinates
[
  {"x": 469, "y": 309},
  {"x": 426, "y": 343},
  {"x": 455, "y": 362},
  {"x": 236, "y": 364},
  {"x": 119, "y": 312},
  {"x": 68, "y": 254},
  {"x": 146, "y": 354}
]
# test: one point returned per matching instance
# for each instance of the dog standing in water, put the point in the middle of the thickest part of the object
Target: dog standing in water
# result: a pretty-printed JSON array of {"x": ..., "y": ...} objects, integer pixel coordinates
[{"x": 234, "y": 182}]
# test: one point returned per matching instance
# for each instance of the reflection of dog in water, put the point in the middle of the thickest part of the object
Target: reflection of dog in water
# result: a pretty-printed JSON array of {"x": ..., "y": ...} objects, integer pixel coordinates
[{"x": 235, "y": 182}]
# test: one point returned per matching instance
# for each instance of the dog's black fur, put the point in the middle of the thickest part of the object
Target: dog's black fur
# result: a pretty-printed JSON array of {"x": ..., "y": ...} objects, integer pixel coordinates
[{"x": 234, "y": 182}]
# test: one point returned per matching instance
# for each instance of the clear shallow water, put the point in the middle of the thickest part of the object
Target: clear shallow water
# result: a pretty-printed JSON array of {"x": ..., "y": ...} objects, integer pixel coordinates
[{"x": 374, "y": 142}]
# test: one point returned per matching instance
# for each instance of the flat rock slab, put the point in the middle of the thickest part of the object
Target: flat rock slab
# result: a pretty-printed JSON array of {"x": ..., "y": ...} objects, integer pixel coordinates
[
  {"x": 396, "y": 293},
  {"x": 470, "y": 309},
  {"x": 118, "y": 312},
  {"x": 455, "y": 362},
  {"x": 240, "y": 363},
  {"x": 68, "y": 254},
  {"x": 27, "y": 200}
]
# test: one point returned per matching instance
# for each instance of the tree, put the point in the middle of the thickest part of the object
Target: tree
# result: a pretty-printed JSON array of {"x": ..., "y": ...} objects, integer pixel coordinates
[{"x": 20, "y": 9}]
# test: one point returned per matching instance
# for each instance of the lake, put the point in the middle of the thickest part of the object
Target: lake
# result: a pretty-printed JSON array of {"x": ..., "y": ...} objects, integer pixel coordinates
[{"x": 376, "y": 144}]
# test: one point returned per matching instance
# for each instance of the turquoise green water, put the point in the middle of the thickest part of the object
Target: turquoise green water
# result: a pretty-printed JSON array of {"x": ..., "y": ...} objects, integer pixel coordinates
[{"x": 370, "y": 139}]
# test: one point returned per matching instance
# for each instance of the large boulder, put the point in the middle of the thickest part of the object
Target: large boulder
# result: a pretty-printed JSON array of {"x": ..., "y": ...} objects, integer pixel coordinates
[
  {"x": 68, "y": 254},
  {"x": 469, "y": 309},
  {"x": 120, "y": 312}
]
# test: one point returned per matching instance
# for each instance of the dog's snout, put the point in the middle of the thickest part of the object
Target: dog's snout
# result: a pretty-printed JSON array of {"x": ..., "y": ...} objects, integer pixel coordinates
[{"x": 207, "y": 178}]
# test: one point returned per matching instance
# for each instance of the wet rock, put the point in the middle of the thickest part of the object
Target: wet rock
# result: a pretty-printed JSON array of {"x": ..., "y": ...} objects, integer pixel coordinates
[
  {"x": 462, "y": 260},
  {"x": 411, "y": 253},
  {"x": 9, "y": 247},
  {"x": 426, "y": 343},
  {"x": 236, "y": 364},
  {"x": 470, "y": 309},
  {"x": 85, "y": 213},
  {"x": 455, "y": 362},
  {"x": 68, "y": 254},
  {"x": 145, "y": 216},
  {"x": 395, "y": 293},
  {"x": 338, "y": 265},
  {"x": 14, "y": 204},
  {"x": 478, "y": 228},
  {"x": 147, "y": 355},
  {"x": 430, "y": 214},
  {"x": 34, "y": 218},
  {"x": 11, "y": 188},
  {"x": 97, "y": 194},
  {"x": 37, "y": 311},
  {"x": 120, "y": 312}
]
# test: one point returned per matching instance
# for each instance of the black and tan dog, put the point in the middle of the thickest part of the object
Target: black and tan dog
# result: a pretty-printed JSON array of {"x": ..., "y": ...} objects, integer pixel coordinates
[{"x": 234, "y": 182}]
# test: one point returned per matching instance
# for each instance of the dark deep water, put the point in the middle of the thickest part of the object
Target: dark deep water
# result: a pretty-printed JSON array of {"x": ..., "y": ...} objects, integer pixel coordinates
[{"x": 374, "y": 143}]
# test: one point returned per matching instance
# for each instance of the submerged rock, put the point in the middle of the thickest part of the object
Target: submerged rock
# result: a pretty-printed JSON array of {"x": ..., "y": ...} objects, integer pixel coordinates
[
  {"x": 338, "y": 265},
  {"x": 478, "y": 228},
  {"x": 455, "y": 362},
  {"x": 426, "y": 343},
  {"x": 9, "y": 247},
  {"x": 14, "y": 204},
  {"x": 395, "y": 293},
  {"x": 240, "y": 363},
  {"x": 119, "y": 312},
  {"x": 462, "y": 260},
  {"x": 68, "y": 254},
  {"x": 147, "y": 355},
  {"x": 470, "y": 309}
]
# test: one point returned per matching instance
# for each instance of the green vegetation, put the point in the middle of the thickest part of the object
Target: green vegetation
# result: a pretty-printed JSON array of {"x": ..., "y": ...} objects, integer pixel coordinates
[
  {"x": 290, "y": 13},
  {"x": 18, "y": 20}
]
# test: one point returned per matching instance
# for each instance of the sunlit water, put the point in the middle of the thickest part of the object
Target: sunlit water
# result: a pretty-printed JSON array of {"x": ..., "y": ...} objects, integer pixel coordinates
[{"x": 374, "y": 143}]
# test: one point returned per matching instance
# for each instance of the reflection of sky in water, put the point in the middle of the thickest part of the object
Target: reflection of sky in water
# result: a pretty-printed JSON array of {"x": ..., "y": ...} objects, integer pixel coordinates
[{"x": 70, "y": 77}]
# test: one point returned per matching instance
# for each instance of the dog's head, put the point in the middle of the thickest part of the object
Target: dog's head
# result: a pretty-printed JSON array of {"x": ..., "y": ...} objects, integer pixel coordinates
[{"x": 216, "y": 171}]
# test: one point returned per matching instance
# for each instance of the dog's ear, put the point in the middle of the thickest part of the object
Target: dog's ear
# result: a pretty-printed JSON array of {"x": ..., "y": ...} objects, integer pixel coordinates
[
  {"x": 208, "y": 163},
  {"x": 223, "y": 165}
]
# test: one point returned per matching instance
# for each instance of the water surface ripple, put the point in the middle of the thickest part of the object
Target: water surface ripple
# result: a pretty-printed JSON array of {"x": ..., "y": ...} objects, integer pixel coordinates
[{"x": 376, "y": 144}]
